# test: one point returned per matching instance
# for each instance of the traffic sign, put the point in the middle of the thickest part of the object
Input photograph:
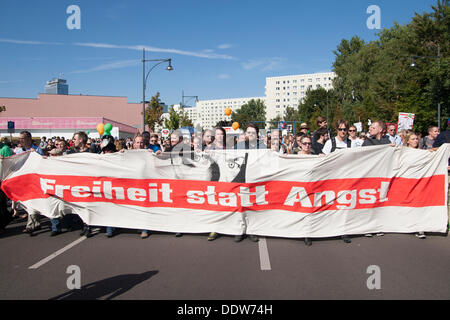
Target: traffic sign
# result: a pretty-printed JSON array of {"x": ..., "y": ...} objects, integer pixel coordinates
[{"x": 11, "y": 127}]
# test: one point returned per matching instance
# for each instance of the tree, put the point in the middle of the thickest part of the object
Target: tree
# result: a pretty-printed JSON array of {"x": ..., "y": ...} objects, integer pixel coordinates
[
  {"x": 153, "y": 112},
  {"x": 375, "y": 80},
  {"x": 177, "y": 119},
  {"x": 252, "y": 111},
  {"x": 173, "y": 122}
]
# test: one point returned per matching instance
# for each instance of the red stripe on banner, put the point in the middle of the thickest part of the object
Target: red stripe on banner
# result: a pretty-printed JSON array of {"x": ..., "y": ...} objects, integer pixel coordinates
[{"x": 308, "y": 197}]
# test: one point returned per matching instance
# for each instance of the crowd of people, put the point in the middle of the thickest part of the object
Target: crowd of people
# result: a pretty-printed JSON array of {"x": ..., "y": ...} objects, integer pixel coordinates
[{"x": 320, "y": 142}]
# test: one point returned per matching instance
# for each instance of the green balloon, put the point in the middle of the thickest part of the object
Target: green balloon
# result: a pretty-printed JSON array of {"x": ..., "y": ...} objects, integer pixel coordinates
[
  {"x": 108, "y": 128},
  {"x": 88, "y": 132}
]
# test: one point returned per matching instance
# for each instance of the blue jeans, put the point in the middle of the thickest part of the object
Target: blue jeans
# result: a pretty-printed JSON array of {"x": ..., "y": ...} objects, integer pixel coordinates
[
  {"x": 56, "y": 224},
  {"x": 110, "y": 230}
]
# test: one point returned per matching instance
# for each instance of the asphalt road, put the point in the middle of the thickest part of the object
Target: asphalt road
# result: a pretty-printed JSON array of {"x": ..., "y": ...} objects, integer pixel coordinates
[{"x": 191, "y": 268}]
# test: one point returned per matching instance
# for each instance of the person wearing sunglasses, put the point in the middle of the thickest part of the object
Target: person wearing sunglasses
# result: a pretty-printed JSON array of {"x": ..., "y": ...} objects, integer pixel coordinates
[
  {"x": 377, "y": 137},
  {"x": 341, "y": 140},
  {"x": 356, "y": 142}
]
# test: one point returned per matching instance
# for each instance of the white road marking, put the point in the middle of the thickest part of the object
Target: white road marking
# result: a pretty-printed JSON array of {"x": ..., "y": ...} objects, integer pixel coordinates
[
  {"x": 264, "y": 254},
  {"x": 60, "y": 251}
]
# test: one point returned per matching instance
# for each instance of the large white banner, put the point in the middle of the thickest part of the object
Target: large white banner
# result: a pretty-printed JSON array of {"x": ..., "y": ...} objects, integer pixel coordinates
[{"x": 351, "y": 191}]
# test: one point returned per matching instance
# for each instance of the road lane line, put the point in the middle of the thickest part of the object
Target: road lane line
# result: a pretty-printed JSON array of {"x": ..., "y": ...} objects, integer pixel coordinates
[
  {"x": 57, "y": 253},
  {"x": 264, "y": 254}
]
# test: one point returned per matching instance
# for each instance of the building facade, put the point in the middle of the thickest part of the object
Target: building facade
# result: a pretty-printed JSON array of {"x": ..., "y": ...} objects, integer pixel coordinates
[
  {"x": 207, "y": 113},
  {"x": 57, "y": 86},
  {"x": 289, "y": 91}
]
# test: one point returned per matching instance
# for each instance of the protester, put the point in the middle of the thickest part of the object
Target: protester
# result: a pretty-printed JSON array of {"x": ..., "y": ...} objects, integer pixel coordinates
[
  {"x": 322, "y": 123},
  {"x": 219, "y": 141},
  {"x": 251, "y": 142},
  {"x": 153, "y": 144},
  {"x": 428, "y": 141},
  {"x": 207, "y": 138},
  {"x": 356, "y": 142},
  {"x": 376, "y": 131},
  {"x": 340, "y": 141},
  {"x": 393, "y": 137},
  {"x": 412, "y": 140},
  {"x": 108, "y": 146},
  {"x": 319, "y": 142},
  {"x": 276, "y": 143},
  {"x": 26, "y": 141},
  {"x": 297, "y": 147}
]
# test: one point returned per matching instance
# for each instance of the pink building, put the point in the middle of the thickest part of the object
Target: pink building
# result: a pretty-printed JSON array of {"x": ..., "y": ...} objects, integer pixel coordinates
[{"x": 70, "y": 112}]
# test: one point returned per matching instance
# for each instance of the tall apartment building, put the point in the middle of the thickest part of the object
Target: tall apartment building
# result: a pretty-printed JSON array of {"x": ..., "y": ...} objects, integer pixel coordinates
[
  {"x": 207, "y": 113},
  {"x": 289, "y": 91},
  {"x": 57, "y": 86},
  {"x": 281, "y": 92}
]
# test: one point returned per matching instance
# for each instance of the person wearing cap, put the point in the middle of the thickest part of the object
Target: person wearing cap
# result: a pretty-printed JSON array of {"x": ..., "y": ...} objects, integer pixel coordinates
[
  {"x": 108, "y": 146},
  {"x": 304, "y": 128}
]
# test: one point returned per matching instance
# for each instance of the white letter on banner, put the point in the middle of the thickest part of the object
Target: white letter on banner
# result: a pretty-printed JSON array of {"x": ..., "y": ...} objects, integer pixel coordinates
[
  {"x": 298, "y": 194},
  {"x": 46, "y": 184},
  {"x": 342, "y": 199},
  {"x": 76, "y": 191},
  {"x": 136, "y": 194},
  {"x": 227, "y": 199},
  {"x": 374, "y": 281},
  {"x": 74, "y": 21},
  {"x": 74, "y": 281},
  {"x": 374, "y": 21},
  {"x": 195, "y": 197},
  {"x": 384, "y": 191}
]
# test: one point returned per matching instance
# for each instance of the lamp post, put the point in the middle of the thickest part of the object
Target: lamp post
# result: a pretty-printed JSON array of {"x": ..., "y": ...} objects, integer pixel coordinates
[
  {"x": 144, "y": 79},
  {"x": 438, "y": 57}
]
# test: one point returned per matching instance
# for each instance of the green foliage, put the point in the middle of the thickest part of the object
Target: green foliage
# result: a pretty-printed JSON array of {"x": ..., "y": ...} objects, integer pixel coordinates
[
  {"x": 177, "y": 119},
  {"x": 375, "y": 80},
  {"x": 253, "y": 110},
  {"x": 153, "y": 112}
]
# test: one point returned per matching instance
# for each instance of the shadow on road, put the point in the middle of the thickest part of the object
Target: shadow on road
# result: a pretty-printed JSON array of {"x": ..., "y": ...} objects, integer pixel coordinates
[{"x": 113, "y": 287}]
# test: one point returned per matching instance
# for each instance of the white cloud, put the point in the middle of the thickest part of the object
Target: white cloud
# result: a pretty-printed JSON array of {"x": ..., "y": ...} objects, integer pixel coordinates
[
  {"x": 224, "y": 76},
  {"x": 204, "y": 54},
  {"x": 264, "y": 64},
  {"x": 10, "y": 81},
  {"x": 110, "y": 66},
  {"x": 155, "y": 49},
  {"x": 225, "y": 46},
  {"x": 28, "y": 42}
]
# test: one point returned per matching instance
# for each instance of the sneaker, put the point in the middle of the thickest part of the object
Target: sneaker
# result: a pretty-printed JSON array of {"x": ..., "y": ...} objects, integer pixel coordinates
[
  {"x": 55, "y": 233},
  {"x": 238, "y": 238},
  {"x": 88, "y": 233},
  {"x": 308, "y": 242},
  {"x": 253, "y": 238},
  {"x": 144, "y": 235},
  {"x": 346, "y": 239},
  {"x": 380, "y": 234},
  {"x": 369, "y": 235},
  {"x": 421, "y": 235},
  {"x": 212, "y": 236},
  {"x": 178, "y": 234}
]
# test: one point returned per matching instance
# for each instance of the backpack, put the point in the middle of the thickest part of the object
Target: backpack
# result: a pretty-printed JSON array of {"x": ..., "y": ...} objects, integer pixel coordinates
[{"x": 333, "y": 144}]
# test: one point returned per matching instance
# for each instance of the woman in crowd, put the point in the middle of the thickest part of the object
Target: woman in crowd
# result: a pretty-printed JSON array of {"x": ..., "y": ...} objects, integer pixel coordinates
[
  {"x": 356, "y": 142},
  {"x": 306, "y": 143},
  {"x": 412, "y": 141},
  {"x": 218, "y": 144},
  {"x": 207, "y": 139}
]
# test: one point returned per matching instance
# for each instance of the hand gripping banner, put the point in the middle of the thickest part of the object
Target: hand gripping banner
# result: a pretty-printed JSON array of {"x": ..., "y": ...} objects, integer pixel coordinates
[{"x": 351, "y": 191}]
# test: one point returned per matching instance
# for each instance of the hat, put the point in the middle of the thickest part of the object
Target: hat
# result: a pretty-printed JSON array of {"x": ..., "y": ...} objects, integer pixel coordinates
[
  {"x": 107, "y": 143},
  {"x": 304, "y": 126}
]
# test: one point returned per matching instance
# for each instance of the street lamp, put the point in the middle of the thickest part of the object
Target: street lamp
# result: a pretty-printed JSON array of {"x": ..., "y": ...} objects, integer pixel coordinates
[
  {"x": 144, "y": 79},
  {"x": 438, "y": 57}
]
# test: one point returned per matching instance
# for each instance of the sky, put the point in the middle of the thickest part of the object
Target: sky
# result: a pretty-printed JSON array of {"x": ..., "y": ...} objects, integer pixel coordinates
[{"x": 219, "y": 48}]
